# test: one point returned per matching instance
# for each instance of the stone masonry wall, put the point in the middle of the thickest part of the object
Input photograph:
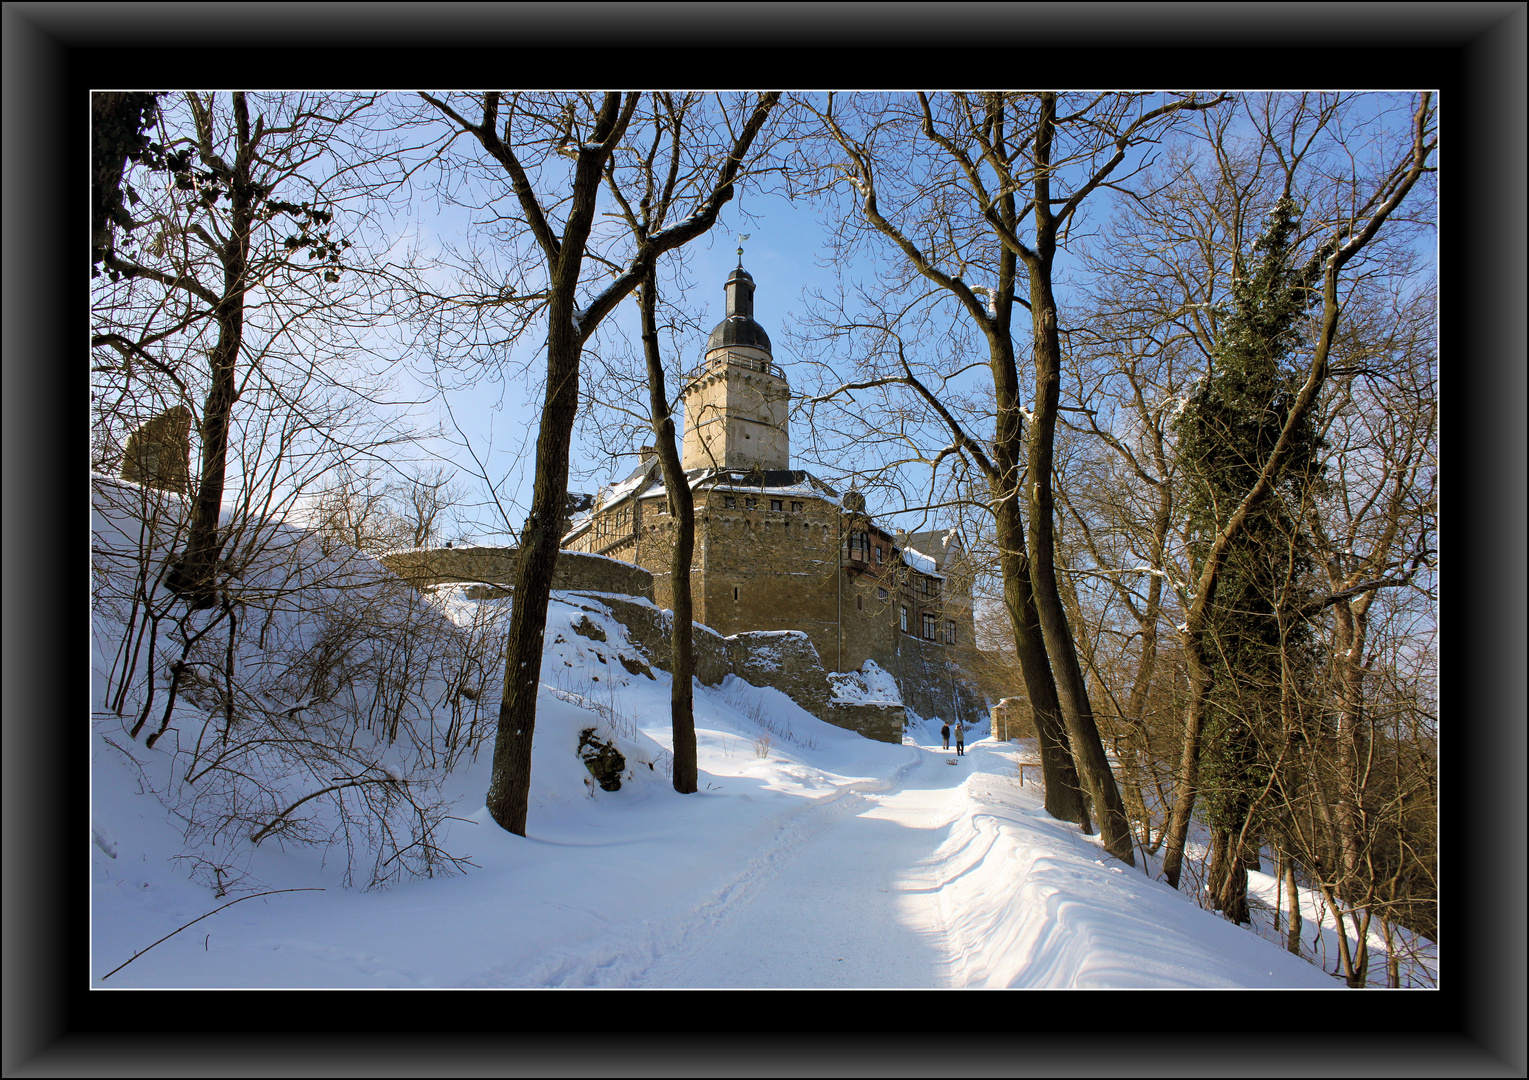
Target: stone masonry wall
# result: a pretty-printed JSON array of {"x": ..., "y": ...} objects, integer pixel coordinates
[
  {"x": 495, "y": 566},
  {"x": 884, "y": 723},
  {"x": 931, "y": 688},
  {"x": 787, "y": 660},
  {"x": 649, "y": 628},
  {"x": 158, "y": 453}
]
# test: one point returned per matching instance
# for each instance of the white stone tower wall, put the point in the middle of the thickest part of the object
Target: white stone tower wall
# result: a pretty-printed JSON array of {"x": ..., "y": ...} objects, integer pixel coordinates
[{"x": 736, "y": 413}]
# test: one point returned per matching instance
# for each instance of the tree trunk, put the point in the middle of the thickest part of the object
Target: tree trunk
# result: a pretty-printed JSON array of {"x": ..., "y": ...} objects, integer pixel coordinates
[
  {"x": 1231, "y": 895},
  {"x": 1138, "y": 743},
  {"x": 1293, "y": 898},
  {"x": 1350, "y": 631},
  {"x": 509, "y": 789},
  {"x": 1189, "y": 761},
  {"x": 194, "y": 576},
  {"x": 682, "y": 513},
  {"x": 1064, "y": 793},
  {"x": 1087, "y": 747}
]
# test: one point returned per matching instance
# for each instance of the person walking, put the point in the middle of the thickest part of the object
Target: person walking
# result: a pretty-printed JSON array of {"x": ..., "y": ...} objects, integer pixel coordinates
[
  {"x": 960, "y": 739},
  {"x": 945, "y": 735}
]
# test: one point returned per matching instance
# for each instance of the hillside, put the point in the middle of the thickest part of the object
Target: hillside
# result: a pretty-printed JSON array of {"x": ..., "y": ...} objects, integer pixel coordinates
[{"x": 810, "y": 858}]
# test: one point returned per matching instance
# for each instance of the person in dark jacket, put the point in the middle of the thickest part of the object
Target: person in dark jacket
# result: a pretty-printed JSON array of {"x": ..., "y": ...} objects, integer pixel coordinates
[
  {"x": 945, "y": 735},
  {"x": 960, "y": 739}
]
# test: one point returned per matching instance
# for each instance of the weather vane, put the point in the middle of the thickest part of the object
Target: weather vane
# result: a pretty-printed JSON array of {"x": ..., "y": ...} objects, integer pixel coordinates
[{"x": 741, "y": 238}]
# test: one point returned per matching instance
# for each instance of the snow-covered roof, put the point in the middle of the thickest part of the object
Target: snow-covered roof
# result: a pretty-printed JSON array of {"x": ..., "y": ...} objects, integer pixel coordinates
[
  {"x": 924, "y": 564},
  {"x": 647, "y": 482}
]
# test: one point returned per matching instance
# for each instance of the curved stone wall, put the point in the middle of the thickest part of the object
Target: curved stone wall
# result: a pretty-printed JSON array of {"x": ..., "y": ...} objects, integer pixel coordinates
[{"x": 494, "y": 568}]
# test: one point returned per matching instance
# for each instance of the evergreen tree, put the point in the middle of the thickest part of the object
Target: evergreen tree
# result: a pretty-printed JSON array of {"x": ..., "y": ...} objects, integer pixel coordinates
[{"x": 1226, "y": 434}]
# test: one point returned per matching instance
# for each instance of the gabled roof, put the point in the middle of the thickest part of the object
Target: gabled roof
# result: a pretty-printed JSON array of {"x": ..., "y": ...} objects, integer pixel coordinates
[{"x": 940, "y": 545}]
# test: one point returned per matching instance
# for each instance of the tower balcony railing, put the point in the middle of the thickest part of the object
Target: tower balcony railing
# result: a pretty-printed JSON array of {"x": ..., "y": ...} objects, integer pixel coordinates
[{"x": 741, "y": 360}]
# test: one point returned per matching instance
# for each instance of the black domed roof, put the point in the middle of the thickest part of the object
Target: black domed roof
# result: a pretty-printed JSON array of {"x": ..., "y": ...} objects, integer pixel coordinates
[
  {"x": 738, "y": 330},
  {"x": 738, "y": 326}
]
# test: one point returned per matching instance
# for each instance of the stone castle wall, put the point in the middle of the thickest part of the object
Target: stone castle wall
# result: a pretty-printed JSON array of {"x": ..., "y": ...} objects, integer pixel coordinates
[
  {"x": 932, "y": 687},
  {"x": 783, "y": 565},
  {"x": 494, "y": 568},
  {"x": 759, "y": 569},
  {"x": 783, "y": 661},
  {"x": 158, "y": 453}
]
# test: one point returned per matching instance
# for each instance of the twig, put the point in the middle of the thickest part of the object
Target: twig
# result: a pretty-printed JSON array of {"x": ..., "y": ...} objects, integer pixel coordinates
[{"x": 198, "y": 919}]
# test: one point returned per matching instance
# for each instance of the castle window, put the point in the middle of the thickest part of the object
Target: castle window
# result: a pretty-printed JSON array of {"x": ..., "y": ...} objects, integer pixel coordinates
[
  {"x": 796, "y": 507},
  {"x": 749, "y": 504},
  {"x": 904, "y": 618},
  {"x": 859, "y": 603},
  {"x": 735, "y": 592},
  {"x": 729, "y": 502},
  {"x": 881, "y": 594},
  {"x": 775, "y": 504},
  {"x": 950, "y": 631},
  {"x": 928, "y": 627},
  {"x": 859, "y": 546},
  {"x": 878, "y": 554}
]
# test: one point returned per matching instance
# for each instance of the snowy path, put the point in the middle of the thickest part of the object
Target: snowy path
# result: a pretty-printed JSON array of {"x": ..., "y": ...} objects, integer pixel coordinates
[
  {"x": 938, "y": 876},
  {"x": 844, "y": 893},
  {"x": 841, "y": 903}
]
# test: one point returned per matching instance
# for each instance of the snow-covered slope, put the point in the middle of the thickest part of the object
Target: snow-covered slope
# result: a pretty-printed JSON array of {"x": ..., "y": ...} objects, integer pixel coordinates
[{"x": 809, "y": 858}]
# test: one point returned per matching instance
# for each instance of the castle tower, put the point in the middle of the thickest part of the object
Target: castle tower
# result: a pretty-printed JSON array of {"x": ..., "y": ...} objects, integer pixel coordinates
[{"x": 736, "y": 403}]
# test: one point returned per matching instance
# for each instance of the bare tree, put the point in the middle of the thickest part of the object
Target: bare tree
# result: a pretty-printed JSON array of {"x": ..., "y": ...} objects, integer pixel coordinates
[
  {"x": 565, "y": 143},
  {"x": 1353, "y": 209},
  {"x": 954, "y": 211},
  {"x": 237, "y": 247},
  {"x": 376, "y": 515},
  {"x": 294, "y": 689}
]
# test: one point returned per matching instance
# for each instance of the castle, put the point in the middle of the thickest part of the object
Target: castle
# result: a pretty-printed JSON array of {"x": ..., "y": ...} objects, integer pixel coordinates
[{"x": 777, "y": 548}]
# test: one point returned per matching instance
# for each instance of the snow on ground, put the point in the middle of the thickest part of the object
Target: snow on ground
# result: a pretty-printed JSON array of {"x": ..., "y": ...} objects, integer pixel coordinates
[{"x": 809, "y": 858}]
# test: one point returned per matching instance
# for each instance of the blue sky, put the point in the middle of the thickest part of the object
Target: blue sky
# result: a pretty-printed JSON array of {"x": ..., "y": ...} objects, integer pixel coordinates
[{"x": 783, "y": 252}]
